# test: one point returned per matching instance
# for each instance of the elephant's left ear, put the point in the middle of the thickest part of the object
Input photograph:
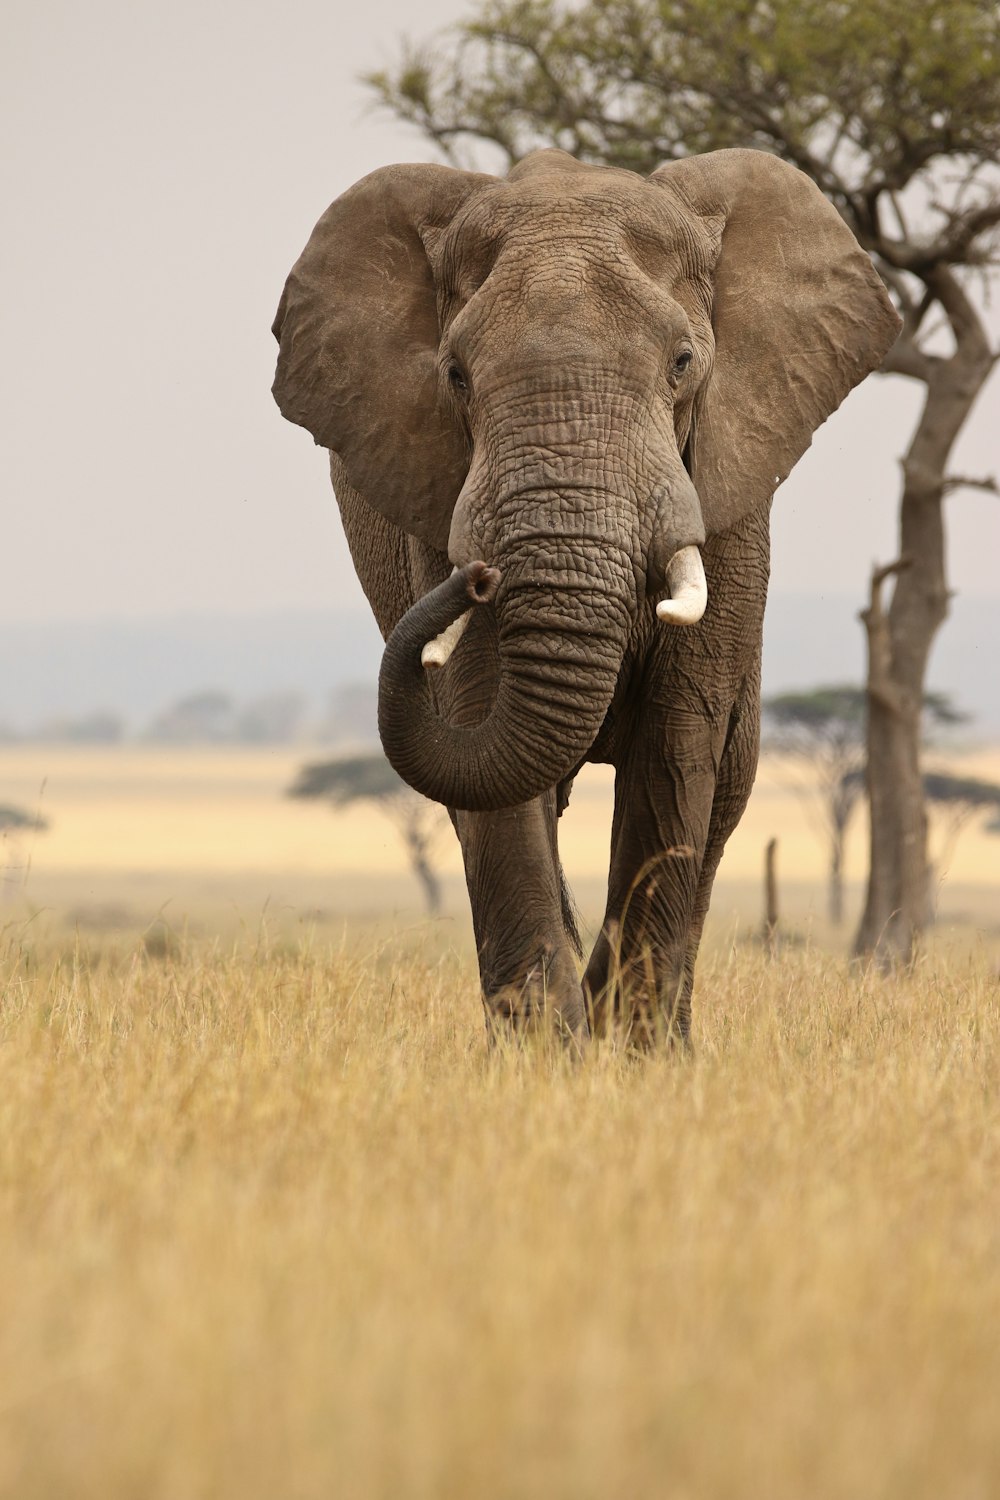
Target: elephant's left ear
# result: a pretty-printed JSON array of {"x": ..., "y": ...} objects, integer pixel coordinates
[
  {"x": 357, "y": 329},
  {"x": 800, "y": 316}
]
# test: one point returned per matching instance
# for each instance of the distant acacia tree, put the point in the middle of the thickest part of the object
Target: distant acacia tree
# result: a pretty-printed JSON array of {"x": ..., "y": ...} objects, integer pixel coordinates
[
  {"x": 274, "y": 719},
  {"x": 198, "y": 718},
  {"x": 824, "y": 730},
  {"x": 961, "y": 799},
  {"x": 99, "y": 728},
  {"x": 214, "y": 718},
  {"x": 893, "y": 108},
  {"x": 16, "y": 820},
  {"x": 370, "y": 778}
]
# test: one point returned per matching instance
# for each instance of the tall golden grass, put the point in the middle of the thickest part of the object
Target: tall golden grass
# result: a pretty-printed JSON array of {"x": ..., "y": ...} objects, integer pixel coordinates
[{"x": 276, "y": 1224}]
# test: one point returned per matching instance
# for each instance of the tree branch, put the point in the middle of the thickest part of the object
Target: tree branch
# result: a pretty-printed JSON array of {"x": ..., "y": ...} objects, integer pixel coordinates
[
  {"x": 965, "y": 482},
  {"x": 954, "y": 246},
  {"x": 966, "y": 324},
  {"x": 907, "y": 358},
  {"x": 881, "y": 688}
]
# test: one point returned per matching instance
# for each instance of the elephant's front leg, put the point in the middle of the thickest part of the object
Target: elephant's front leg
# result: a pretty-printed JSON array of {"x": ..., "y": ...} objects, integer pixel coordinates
[
  {"x": 732, "y": 793},
  {"x": 662, "y": 815},
  {"x": 524, "y": 932},
  {"x": 678, "y": 796},
  {"x": 686, "y": 756}
]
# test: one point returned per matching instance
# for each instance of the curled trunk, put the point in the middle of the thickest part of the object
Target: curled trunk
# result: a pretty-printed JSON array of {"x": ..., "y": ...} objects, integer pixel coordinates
[{"x": 561, "y": 645}]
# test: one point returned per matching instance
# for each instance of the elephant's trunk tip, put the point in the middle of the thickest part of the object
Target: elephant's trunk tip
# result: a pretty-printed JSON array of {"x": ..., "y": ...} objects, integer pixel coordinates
[
  {"x": 481, "y": 582},
  {"x": 477, "y": 582}
]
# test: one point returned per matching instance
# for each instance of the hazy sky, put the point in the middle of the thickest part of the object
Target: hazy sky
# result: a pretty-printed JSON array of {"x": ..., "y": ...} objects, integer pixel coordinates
[{"x": 164, "y": 164}]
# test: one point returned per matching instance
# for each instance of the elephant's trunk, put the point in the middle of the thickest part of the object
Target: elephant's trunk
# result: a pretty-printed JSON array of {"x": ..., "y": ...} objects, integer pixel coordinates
[{"x": 561, "y": 646}]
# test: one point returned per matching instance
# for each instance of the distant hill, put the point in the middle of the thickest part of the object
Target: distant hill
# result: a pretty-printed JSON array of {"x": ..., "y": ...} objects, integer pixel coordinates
[{"x": 135, "y": 669}]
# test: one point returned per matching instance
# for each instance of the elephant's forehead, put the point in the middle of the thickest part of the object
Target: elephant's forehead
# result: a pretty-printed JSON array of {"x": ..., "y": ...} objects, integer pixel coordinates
[{"x": 588, "y": 215}]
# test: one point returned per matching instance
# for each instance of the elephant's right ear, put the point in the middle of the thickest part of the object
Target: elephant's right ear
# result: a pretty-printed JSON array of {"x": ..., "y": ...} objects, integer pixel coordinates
[
  {"x": 799, "y": 314},
  {"x": 357, "y": 327}
]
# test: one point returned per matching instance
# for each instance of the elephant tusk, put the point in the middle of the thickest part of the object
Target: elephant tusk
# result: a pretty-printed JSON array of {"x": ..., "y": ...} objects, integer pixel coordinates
[
  {"x": 688, "y": 589},
  {"x": 437, "y": 651}
]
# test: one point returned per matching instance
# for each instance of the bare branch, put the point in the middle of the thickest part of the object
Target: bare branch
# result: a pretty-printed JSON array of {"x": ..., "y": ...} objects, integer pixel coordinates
[
  {"x": 897, "y": 208},
  {"x": 963, "y": 228},
  {"x": 967, "y": 326},
  {"x": 907, "y": 358},
  {"x": 882, "y": 688},
  {"x": 965, "y": 482},
  {"x": 955, "y": 245},
  {"x": 879, "y": 575}
]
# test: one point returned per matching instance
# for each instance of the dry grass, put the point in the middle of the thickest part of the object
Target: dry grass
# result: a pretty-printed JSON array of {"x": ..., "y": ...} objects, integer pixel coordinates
[{"x": 276, "y": 1225}]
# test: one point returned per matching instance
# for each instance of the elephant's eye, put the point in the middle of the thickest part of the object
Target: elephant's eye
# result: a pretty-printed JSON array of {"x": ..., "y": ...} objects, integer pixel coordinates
[
  {"x": 457, "y": 380},
  {"x": 682, "y": 361}
]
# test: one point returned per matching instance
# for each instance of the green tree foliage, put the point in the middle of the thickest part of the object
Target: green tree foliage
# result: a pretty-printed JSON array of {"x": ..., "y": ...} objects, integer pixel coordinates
[
  {"x": 370, "y": 778},
  {"x": 862, "y": 96}
]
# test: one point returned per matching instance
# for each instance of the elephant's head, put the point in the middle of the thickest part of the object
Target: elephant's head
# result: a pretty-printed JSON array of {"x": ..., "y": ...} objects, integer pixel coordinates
[{"x": 574, "y": 374}]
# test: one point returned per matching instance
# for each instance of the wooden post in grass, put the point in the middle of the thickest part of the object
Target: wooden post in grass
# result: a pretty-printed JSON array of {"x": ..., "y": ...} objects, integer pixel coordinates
[{"x": 771, "y": 897}]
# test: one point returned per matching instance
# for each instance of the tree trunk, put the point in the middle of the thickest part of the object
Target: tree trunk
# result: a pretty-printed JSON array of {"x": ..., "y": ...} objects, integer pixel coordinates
[
  {"x": 835, "y": 892},
  {"x": 771, "y": 897},
  {"x": 429, "y": 882},
  {"x": 899, "y": 642},
  {"x": 422, "y": 868},
  {"x": 894, "y": 907}
]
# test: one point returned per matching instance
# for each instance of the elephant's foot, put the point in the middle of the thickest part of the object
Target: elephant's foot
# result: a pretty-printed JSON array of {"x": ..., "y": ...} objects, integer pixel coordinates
[
  {"x": 656, "y": 1027},
  {"x": 644, "y": 998},
  {"x": 548, "y": 998}
]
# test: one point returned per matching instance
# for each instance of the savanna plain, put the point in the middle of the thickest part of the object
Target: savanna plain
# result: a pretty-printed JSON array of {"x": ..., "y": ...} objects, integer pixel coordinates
[{"x": 276, "y": 1222}]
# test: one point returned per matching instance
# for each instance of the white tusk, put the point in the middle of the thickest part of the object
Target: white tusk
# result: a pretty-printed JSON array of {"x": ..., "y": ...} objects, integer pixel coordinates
[
  {"x": 688, "y": 589},
  {"x": 437, "y": 651}
]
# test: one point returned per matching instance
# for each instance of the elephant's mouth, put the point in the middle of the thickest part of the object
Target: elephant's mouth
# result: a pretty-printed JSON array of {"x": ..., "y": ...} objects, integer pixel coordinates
[{"x": 685, "y": 604}]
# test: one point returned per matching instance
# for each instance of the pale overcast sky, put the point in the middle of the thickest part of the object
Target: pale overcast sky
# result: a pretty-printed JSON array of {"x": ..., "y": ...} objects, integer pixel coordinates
[{"x": 164, "y": 164}]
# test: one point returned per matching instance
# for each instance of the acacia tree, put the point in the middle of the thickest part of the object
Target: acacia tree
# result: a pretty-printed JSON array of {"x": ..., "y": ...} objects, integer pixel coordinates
[
  {"x": 961, "y": 799},
  {"x": 958, "y": 800},
  {"x": 370, "y": 778},
  {"x": 823, "y": 729},
  {"x": 16, "y": 820},
  {"x": 893, "y": 108}
]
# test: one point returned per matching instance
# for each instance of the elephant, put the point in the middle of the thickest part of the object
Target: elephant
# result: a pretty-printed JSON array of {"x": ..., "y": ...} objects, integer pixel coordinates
[{"x": 557, "y": 406}]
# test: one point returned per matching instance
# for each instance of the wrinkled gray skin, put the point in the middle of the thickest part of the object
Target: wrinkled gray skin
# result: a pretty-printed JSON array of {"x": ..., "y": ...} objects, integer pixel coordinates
[{"x": 571, "y": 374}]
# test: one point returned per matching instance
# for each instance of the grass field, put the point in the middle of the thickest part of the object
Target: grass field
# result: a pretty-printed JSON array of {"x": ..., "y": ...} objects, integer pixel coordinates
[{"x": 277, "y": 1224}]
